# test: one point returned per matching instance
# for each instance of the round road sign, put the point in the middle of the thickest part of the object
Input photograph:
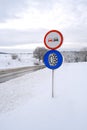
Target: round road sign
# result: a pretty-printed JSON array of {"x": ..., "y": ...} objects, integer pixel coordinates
[
  {"x": 53, "y": 39},
  {"x": 53, "y": 59}
]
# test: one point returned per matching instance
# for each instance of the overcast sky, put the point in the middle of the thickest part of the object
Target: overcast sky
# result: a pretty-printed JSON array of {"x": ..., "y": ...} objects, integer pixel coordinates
[{"x": 27, "y": 21}]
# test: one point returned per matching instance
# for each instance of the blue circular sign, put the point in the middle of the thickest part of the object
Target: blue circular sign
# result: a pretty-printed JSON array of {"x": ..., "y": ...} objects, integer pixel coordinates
[{"x": 53, "y": 59}]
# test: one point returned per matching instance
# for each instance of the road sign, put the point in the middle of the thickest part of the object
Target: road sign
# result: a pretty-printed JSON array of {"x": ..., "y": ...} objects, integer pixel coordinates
[
  {"x": 53, "y": 59},
  {"x": 53, "y": 39}
]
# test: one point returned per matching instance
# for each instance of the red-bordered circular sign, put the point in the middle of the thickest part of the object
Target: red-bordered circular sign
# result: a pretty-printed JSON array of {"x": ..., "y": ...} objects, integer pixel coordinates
[{"x": 53, "y": 39}]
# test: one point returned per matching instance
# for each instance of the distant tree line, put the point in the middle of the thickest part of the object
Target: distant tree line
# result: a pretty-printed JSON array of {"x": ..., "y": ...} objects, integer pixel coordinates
[{"x": 69, "y": 56}]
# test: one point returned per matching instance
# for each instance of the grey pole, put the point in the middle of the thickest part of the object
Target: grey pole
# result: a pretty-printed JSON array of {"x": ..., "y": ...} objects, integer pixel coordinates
[{"x": 52, "y": 83}]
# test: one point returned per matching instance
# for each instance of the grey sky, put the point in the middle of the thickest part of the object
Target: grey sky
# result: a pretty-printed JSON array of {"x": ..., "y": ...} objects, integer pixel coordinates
[
  {"x": 9, "y": 8},
  {"x": 27, "y": 21}
]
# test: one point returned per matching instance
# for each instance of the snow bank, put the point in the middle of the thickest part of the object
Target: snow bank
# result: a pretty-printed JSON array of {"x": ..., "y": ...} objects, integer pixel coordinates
[{"x": 30, "y": 106}]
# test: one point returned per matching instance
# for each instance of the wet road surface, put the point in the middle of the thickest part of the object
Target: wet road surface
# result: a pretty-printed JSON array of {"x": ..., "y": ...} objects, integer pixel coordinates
[{"x": 8, "y": 74}]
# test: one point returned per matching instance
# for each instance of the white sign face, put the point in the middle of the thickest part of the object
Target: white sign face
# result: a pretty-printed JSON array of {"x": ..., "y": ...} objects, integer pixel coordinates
[{"x": 53, "y": 39}]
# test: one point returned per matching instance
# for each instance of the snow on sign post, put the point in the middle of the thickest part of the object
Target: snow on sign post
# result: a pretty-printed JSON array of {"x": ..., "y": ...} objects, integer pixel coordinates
[{"x": 53, "y": 58}]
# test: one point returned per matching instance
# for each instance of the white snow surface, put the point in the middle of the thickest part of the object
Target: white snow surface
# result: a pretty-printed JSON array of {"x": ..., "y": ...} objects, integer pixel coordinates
[
  {"x": 22, "y": 60},
  {"x": 26, "y": 102}
]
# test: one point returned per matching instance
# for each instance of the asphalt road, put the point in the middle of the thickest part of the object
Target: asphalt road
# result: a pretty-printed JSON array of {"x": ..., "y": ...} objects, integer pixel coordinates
[{"x": 8, "y": 74}]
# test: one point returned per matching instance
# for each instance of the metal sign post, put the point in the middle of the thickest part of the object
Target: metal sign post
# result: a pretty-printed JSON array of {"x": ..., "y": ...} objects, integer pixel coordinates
[{"x": 52, "y": 83}]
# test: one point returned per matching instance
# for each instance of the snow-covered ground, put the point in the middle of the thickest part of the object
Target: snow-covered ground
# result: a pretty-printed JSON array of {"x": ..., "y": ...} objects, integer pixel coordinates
[
  {"x": 22, "y": 59},
  {"x": 26, "y": 103}
]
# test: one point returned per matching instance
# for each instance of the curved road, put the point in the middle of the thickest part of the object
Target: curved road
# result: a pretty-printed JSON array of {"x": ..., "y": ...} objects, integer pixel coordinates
[{"x": 8, "y": 74}]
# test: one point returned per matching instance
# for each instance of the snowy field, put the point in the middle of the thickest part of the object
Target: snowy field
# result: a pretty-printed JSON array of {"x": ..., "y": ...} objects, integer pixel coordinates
[
  {"x": 26, "y": 103},
  {"x": 7, "y": 61}
]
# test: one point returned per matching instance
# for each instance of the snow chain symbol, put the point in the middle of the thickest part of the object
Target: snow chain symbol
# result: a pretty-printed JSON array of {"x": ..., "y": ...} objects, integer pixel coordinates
[{"x": 53, "y": 59}]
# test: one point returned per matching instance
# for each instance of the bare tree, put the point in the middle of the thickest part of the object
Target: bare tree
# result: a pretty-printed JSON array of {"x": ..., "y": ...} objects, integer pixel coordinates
[{"x": 39, "y": 53}]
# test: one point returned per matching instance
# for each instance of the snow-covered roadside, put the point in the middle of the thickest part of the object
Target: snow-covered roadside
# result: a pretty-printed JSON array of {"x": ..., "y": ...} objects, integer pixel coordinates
[
  {"x": 7, "y": 61},
  {"x": 34, "y": 109}
]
